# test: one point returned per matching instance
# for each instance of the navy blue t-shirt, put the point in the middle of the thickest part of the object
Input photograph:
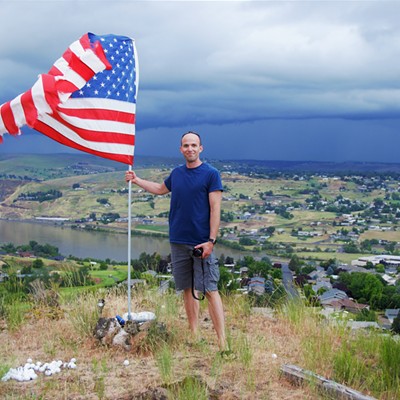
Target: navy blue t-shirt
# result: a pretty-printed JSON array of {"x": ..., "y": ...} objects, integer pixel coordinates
[{"x": 189, "y": 217}]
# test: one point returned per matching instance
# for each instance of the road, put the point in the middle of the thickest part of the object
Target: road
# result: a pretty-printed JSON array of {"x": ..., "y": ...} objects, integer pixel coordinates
[{"x": 287, "y": 280}]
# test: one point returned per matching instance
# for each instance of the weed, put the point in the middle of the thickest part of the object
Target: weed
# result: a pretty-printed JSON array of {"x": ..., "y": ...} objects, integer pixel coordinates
[{"x": 164, "y": 361}]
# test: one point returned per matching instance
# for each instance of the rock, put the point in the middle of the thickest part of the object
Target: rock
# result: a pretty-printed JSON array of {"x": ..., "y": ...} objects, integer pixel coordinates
[
  {"x": 106, "y": 329},
  {"x": 123, "y": 339}
]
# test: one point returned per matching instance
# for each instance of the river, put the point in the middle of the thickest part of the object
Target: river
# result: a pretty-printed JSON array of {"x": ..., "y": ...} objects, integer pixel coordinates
[{"x": 90, "y": 244}]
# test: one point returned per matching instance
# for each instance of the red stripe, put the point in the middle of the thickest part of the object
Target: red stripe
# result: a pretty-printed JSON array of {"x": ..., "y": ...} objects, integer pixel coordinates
[
  {"x": 30, "y": 110},
  {"x": 78, "y": 65},
  {"x": 8, "y": 118},
  {"x": 96, "y": 136},
  {"x": 55, "y": 71},
  {"x": 100, "y": 113},
  {"x": 50, "y": 92},
  {"x": 85, "y": 41},
  {"x": 53, "y": 134}
]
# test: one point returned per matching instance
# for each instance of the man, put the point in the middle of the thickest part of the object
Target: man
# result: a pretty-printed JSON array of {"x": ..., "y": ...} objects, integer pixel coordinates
[{"x": 196, "y": 193}]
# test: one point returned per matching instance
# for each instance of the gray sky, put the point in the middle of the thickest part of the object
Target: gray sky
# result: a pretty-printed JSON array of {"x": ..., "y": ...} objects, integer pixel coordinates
[{"x": 257, "y": 79}]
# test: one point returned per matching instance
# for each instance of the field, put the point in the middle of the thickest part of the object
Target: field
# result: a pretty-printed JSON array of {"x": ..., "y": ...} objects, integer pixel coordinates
[
  {"x": 170, "y": 361},
  {"x": 89, "y": 188}
]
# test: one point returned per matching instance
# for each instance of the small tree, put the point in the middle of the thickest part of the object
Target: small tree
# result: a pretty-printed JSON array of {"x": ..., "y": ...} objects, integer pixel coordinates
[
  {"x": 38, "y": 263},
  {"x": 103, "y": 266},
  {"x": 396, "y": 324}
]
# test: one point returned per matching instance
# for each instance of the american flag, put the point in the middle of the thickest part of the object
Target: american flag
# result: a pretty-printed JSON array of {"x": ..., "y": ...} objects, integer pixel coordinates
[{"x": 86, "y": 101}]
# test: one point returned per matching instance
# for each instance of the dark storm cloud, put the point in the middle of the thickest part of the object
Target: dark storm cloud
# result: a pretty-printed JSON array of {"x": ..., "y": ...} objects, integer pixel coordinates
[{"x": 230, "y": 65}]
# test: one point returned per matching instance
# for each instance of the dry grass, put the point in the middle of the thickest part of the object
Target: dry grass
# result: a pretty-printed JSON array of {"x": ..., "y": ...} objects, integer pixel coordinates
[
  {"x": 171, "y": 360},
  {"x": 100, "y": 373}
]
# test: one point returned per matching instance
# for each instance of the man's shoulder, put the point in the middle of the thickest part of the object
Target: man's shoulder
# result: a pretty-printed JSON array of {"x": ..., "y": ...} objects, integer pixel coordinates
[{"x": 210, "y": 167}]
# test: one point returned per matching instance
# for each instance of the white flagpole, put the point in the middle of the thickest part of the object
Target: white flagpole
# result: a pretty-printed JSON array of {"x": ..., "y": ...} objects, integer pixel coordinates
[
  {"x": 129, "y": 245},
  {"x": 130, "y": 194}
]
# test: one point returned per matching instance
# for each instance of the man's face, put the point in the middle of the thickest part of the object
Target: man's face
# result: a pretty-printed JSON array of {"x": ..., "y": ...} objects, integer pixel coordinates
[{"x": 191, "y": 147}]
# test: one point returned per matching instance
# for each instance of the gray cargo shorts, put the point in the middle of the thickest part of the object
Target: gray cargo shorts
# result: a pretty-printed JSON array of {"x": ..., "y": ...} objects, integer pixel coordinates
[{"x": 184, "y": 264}]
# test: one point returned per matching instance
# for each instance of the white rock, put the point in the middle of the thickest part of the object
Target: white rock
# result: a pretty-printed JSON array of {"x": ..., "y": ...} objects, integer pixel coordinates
[
  {"x": 48, "y": 372},
  {"x": 29, "y": 360},
  {"x": 73, "y": 360},
  {"x": 274, "y": 355},
  {"x": 126, "y": 362}
]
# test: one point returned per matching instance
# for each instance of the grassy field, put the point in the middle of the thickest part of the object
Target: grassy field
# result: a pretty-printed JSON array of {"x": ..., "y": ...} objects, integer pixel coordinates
[
  {"x": 242, "y": 194},
  {"x": 168, "y": 360}
]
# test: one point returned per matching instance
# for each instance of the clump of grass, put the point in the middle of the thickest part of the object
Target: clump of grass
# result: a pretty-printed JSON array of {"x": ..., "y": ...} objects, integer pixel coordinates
[
  {"x": 362, "y": 360},
  {"x": 13, "y": 304},
  {"x": 164, "y": 360},
  {"x": 100, "y": 370},
  {"x": 191, "y": 388},
  {"x": 83, "y": 313}
]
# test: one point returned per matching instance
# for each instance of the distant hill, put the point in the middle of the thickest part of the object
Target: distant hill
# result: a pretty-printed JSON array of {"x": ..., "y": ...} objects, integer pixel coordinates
[{"x": 50, "y": 166}]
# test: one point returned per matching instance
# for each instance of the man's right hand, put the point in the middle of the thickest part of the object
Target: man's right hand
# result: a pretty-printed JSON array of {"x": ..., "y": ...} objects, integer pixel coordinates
[{"x": 130, "y": 176}]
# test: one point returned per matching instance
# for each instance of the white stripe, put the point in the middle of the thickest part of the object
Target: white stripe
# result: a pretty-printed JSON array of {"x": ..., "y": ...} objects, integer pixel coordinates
[
  {"x": 38, "y": 98},
  {"x": 88, "y": 57},
  {"x": 100, "y": 125},
  {"x": 2, "y": 126},
  {"x": 135, "y": 56},
  {"x": 18, "y": 111},
  {"x": 105, "y": 104},
  {"x": 112, "y": 148},
  {"x": 69, "y": 74}
]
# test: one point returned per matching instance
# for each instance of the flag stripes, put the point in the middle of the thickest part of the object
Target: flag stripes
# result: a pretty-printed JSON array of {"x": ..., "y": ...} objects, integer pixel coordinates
[{"x": 77, "y": 104}]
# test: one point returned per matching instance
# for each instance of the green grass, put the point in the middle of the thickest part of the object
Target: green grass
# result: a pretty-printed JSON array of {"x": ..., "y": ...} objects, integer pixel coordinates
[
  {"x": 106, "y": 279},
  {"x": 153, "y": 228}
]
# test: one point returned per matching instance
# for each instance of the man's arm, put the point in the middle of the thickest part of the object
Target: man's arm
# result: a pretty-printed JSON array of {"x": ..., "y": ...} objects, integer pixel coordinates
[
  {"x": 214, "y": 199},
  {"x": 148, "y": 186}
]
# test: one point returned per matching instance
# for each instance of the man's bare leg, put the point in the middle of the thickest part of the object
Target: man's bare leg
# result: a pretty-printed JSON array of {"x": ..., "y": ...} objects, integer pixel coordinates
[
  {"x": 216, "y": 311},
  {"x": 192, "y": 308}
]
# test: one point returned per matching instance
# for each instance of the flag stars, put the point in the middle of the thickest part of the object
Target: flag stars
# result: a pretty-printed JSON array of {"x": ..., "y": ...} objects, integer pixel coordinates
[{"x": 116, "y": 83}]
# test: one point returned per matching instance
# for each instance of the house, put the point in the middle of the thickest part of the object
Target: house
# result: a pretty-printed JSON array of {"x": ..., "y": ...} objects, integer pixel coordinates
[
  {"x": 321, "y": 284},
  {"x": 348, "y": 305},
  {"x": 331, "y": 295},
  {"x": 387, "y": 260},
  {"x": 257, "y": 285},
  {"x": 3, "y": 276},
  {"x": 391, "y": 314},
  {"x": 389, "y": 279},
  {"x": 26, "y": 254}
]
